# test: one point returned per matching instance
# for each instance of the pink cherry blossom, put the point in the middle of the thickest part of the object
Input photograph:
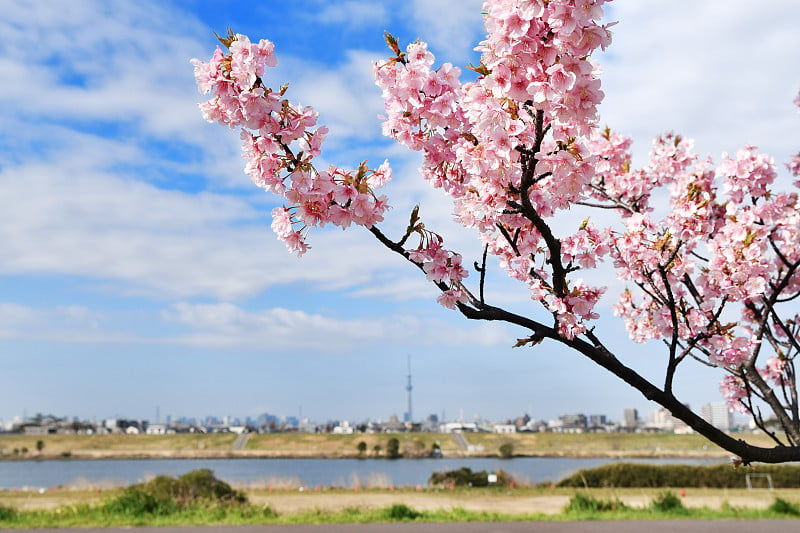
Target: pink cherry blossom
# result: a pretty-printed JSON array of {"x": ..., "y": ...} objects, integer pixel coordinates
[{"x": 519, "y": 151}]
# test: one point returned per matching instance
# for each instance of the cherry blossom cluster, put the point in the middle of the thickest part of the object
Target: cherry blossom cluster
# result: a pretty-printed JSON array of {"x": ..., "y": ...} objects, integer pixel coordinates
[
  {"x": 734, "y": 391},
  {"x": 729, "y": 244},
  {"x": 444, "y": 267},
  {"x": 538, "y": 51},
  {"x": 280, "y": 141},
  {"x": 727, "y": 240},
  {"x": 748, "y": 174},
  {"x": 479, "y": 139},
  {"x": 586, "y": 247}
]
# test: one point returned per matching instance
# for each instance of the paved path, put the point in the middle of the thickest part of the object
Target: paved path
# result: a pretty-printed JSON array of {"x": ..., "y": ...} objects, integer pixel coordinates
[
  {"x": 670, "y": 526},
  {"x": 241, "y": 441},
  {"x": 461, "y": 441}
]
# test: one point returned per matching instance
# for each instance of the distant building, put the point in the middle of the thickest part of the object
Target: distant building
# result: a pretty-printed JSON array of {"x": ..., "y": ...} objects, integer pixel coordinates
[
  {"x": 573, "y": 422},
  {"x": 156, "y": 429},
  {"x": 597, "y": 421},
  {"x": 431, "y": 423},
  {"x": 534, "y": 426},
  {"x": 717, "y": 414},
  {"x": 504, "y": 428},
  {"x": 343, "y": 429},
  {"x": 305, "y": 426},
  {"x": 459, "y": 427},
  {"x": 630, "y": 419}
]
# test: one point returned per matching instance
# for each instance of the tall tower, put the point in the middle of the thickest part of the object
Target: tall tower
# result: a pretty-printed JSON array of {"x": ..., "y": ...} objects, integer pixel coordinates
[{"x": 408, "y": 417}]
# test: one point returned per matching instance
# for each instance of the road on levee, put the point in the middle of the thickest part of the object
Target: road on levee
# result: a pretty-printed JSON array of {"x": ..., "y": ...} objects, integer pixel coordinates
[{"x": 628, "y": 526}]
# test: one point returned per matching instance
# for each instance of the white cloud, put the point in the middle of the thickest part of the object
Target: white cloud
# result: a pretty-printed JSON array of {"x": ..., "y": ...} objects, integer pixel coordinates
[
  {"x": 124, "y": 72},
  {"x": 92, "y": 62},
  {"x": 722, "y": 74},
  {"x": 188, "y": 258},
  {"x": 346, "y": 97},
  {"x": 68, "y": 214},
  {"x": 227, "y": 325},
  {"x": 90, "y": 182},
  {"x": 63, "y": 323},
  {"x": 452, "y": 28}
]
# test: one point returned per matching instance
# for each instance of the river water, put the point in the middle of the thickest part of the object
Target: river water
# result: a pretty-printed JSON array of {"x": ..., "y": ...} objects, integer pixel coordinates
[{"x": 283, "y": 473}]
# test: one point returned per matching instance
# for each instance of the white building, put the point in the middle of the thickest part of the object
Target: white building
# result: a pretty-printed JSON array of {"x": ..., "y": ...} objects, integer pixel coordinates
[
  {"x": 718, "y": 414},
  {"x": 344, "y": 429},
  {"x": 156, "y": 429},
  {"x": 459, "y": 427},
  {"x": 630, "y": 419}
]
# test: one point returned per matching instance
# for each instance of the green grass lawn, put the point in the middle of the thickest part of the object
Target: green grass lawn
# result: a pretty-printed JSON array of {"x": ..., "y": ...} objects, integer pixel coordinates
[{"x": 95, "y": 510}]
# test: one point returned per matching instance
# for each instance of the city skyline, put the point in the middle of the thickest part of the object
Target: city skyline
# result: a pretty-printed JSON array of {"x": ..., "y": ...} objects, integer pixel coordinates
[
  {"x": 660, "y": 419},
  {"x": 629, "y": 416},
  {"x": 138, "y": 267}
]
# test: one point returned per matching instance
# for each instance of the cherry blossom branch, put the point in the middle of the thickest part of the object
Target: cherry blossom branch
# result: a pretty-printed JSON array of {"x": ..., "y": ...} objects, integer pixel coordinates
[
  {"x": 673, "y": 344},
  {"x": 754, "y": 377},
  {"x": 516, "y": 147},
  {"x": 747, "y": 452},
  {"x": 600, "y": 355}
]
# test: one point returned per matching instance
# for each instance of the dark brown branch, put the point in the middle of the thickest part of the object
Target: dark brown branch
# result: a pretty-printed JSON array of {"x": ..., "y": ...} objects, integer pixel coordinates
[
  {"x": 482, "y": 270},
  {"x": 748, "y": 453},
  {"x": 754, "y": 377},
  {"x": 672, "y": 364}
]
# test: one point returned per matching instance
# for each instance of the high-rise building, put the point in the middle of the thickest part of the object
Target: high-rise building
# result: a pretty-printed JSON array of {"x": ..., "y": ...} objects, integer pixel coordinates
[
  {"x": 597, "y": 420},
  {"x": 718, "y": 414},
  {"x": 630, "y": 418},
  {"x": 573, "y": 421}
]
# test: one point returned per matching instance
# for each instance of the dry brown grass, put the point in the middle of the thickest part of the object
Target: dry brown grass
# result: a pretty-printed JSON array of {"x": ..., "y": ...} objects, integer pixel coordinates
[
  {"x": 607, "y": 444},
  {"x": 329, "y": 445},
  {"x": 517, "y": 501},
  {"x": 116, "y": 445}
]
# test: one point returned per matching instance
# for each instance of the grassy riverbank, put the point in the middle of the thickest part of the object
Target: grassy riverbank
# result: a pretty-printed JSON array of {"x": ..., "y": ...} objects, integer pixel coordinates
[
  {"x": 199, "y": 498},
  {"x": 14, "y": 446},
  {"x": 93, "y": 509}
]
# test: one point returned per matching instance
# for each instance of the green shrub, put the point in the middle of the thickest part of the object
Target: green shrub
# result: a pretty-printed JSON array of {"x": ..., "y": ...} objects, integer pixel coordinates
[
  {"x": 164, "y": 495},
  {"x": 506, "y": 450},
  {"x": 136, "y": 502},
  {"x": 7, "y": 514},
  {"x": 268, "y": 512},
  {"x": 400, "y": 512},
  {"x": 678, "y": 476},
  {"x": 465, "y": 477},
  {"x": 667, "y": 502},
  {"x": 780, "y": 506},
  {"x": 202, "y": 485},
  {"x": 582, "y": 503},
  {"x": 393, "y": 448}
]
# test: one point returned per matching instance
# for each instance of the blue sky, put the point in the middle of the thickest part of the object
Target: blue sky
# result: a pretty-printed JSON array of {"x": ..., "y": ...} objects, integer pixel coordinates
[{"x": 137, "y": 267}]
